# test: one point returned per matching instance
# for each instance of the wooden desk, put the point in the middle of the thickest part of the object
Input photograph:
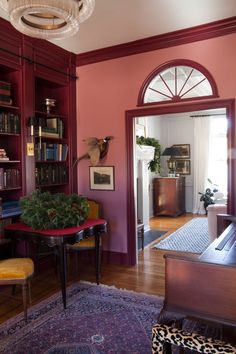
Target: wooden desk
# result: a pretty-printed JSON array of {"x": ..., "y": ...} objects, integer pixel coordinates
[
  {"x": 169, "y": 196},
  {"x": 204, "y": 287},
  {"x": 58, "y": 239}
]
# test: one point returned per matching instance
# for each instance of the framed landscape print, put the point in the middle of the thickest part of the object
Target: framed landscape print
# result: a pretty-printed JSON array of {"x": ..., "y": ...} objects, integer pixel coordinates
[
  {"x": 182, "y": 167},
  {"x": 184, "y": 151},
  {"x": 102, "y": 178}
]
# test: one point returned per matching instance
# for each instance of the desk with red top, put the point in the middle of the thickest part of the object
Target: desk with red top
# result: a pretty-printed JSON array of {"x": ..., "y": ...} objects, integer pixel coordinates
[{"x": 59, "y": 238}]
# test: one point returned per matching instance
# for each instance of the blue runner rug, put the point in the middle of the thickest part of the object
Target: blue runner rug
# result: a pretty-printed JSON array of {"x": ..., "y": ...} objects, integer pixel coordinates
[{"x": 192, "y": 237}]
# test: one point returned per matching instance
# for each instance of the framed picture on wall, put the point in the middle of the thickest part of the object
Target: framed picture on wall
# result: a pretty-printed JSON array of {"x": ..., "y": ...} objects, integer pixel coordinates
[
  {"x": 184, "y": 151},
  {"x": 183, "y": 167},
  {"x": 102, "y": 178}
]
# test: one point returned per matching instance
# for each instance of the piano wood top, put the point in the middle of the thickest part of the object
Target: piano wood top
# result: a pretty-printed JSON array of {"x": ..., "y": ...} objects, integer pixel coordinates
[{"x": 223, "y": 249}]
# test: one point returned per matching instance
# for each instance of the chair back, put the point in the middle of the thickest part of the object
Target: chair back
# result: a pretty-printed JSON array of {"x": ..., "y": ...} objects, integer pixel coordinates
[{"x": 94, "y": 209}]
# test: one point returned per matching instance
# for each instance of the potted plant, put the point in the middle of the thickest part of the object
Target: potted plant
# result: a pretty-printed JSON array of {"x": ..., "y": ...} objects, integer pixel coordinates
[
  {"x": 155, "y": 164},
  {"x": 207, "y": 197},
  {"x": 43, "y": 210}
]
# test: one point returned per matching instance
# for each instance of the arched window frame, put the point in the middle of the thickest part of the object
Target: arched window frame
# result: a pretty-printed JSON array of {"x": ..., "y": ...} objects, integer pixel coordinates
[{"x": 173, "y": 64}]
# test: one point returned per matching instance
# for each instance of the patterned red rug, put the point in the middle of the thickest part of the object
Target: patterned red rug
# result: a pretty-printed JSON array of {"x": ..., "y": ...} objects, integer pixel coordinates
[{"x": 98, "y": 319}]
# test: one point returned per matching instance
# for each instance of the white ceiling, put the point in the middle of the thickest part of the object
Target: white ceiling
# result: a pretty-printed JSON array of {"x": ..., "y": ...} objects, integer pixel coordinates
[{"x": 121, "y": 21}]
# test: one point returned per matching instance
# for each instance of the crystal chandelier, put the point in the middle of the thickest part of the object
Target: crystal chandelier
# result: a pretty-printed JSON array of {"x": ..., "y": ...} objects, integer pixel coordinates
[{"x": 47, "y": 19}]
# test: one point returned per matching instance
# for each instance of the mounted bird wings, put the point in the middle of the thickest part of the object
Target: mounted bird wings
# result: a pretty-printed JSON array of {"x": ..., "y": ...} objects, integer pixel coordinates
[{"x": 98, "y": 149}]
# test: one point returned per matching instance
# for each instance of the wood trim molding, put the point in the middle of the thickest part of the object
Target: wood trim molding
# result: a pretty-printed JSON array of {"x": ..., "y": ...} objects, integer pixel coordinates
[
  {"x": 119, "y": 258},
  {"x": 189, "y": 35}
]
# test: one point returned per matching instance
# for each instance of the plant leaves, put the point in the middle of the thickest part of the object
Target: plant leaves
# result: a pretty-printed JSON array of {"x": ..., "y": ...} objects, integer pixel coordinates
[{"x": 43, "y": 210}]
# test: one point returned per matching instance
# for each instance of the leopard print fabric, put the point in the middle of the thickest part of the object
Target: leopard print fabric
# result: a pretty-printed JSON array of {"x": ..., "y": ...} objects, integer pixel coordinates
[{"x": 163, "y": 334}]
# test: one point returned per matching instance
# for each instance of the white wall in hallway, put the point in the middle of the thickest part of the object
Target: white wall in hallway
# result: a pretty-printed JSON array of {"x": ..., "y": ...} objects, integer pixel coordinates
[{"x": 169, "y": 131}]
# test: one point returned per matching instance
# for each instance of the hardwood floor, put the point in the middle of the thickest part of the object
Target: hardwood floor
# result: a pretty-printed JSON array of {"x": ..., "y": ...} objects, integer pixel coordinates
[{"x": 147, "y": 276}]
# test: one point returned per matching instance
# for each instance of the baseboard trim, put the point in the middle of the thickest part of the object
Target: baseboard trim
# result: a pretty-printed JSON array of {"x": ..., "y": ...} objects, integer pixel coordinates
[{"x": 117, "y": 258}]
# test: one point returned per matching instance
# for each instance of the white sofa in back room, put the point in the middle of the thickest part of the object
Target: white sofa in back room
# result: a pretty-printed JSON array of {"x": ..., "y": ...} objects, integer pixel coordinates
[{"x": 212, "y": 211}]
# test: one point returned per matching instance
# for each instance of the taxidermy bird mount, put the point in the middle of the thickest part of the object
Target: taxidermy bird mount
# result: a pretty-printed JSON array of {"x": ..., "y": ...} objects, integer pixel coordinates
[{"x": 98, "y": 149}]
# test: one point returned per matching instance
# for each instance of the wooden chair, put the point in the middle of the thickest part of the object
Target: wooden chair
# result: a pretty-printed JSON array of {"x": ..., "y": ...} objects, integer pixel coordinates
[
  {"x": 18, "y": 271},
  {"x": 89, "y": 242}
]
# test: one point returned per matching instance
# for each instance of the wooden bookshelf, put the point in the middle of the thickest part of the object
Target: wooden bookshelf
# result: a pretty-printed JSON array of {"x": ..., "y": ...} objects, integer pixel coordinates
[
  {"x": 35, "y": 70},
  {"x": 11, "y": 141},
  {"x": 52, "y": 153}
]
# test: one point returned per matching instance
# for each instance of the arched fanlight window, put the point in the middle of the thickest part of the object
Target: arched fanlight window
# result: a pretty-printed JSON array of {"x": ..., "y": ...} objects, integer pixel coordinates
[{"x": 176, "y": 81}]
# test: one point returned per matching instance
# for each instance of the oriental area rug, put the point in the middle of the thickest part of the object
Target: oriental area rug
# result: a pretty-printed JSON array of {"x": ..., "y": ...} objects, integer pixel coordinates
[
  {"x": 192, "y": 237},
  {"x": 99, "y": 319}
]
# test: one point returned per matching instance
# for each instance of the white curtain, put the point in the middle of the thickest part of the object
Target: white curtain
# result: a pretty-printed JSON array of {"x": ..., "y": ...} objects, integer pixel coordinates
[
  {"x": 217, "y": 167},
  {"x": 200, "y": 158}
]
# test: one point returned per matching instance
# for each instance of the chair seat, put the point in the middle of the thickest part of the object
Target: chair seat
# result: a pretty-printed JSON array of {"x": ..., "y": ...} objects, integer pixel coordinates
[
  {"x": 16, "y": 268},
  {"x": 86, "y": 243}
]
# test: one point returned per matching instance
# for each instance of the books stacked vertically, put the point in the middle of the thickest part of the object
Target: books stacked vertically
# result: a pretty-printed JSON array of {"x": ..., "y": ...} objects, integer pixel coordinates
[
  {"x": 51, "y": 152},
  {"x": 51, "y": 174},
  {"x": 3, "y": 155},
  {"x": 5, "y": 93},
  {"x": 9, "y": 178},
  {"x": 9, "y": 123}
]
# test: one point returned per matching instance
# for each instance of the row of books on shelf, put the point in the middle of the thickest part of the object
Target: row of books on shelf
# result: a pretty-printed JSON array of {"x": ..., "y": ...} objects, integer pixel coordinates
[
  {"x": 5, "y": 93},
  {"x": 9, "y": 123},
  {"x": 51, "y": 152},
  {"x": 51, "y": 174},
  {"x": 9, "y": 178}
]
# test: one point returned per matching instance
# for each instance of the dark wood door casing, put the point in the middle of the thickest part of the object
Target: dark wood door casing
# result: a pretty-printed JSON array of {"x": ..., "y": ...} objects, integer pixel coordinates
[{"x": 228, "y": 104}]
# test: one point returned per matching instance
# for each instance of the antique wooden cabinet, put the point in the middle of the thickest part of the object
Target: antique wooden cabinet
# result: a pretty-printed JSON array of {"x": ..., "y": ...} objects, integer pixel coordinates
[{"x": 169, "y": 196}]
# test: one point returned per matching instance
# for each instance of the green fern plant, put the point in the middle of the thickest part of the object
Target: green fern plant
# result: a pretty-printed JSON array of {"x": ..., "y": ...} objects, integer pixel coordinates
[
  {"x": 43, "y": 210},
  {"x": 155, "y": 164}
]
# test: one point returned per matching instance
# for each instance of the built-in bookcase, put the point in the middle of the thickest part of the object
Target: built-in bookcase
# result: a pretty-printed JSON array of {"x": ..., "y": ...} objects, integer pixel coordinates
[
  {"x": 52, "y": 153},
  {"x": 11, "y": 143},
  {"x": 32, "y": 71}
]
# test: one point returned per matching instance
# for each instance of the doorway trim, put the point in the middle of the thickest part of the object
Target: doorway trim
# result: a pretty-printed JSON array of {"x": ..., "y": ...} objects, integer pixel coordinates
[{"x": 130, "y": 115}]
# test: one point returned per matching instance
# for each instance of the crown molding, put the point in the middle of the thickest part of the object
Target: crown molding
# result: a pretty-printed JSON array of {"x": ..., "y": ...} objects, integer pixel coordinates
[{"x": 171, "y": 39}]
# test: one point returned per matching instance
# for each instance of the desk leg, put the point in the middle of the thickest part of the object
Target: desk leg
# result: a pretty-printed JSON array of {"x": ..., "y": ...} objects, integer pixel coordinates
[
  {"x": 62, "y": 268},
  {"x": 97, "y": 256}
]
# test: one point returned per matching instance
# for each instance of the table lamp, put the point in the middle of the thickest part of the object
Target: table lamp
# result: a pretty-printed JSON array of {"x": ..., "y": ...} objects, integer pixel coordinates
[{"x": 172, "y": 152}]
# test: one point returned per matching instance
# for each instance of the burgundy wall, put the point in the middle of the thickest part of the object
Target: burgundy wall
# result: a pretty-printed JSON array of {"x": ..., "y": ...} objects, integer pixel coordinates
[{"x": 107, "y": 89}]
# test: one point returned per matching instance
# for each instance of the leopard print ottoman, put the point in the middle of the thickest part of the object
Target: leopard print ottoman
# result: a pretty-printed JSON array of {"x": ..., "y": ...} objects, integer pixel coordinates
[{"x": 163, "y": 336}]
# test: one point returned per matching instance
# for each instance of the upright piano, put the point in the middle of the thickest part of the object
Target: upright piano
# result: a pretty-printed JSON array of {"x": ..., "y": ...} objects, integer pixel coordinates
[{"x": 204, "y": 287}]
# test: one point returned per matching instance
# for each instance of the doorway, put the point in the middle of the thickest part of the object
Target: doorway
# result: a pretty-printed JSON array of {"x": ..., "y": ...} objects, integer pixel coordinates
[
  {"x": 202, "y": 136},
  {"x": 228, "y": 105}
]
